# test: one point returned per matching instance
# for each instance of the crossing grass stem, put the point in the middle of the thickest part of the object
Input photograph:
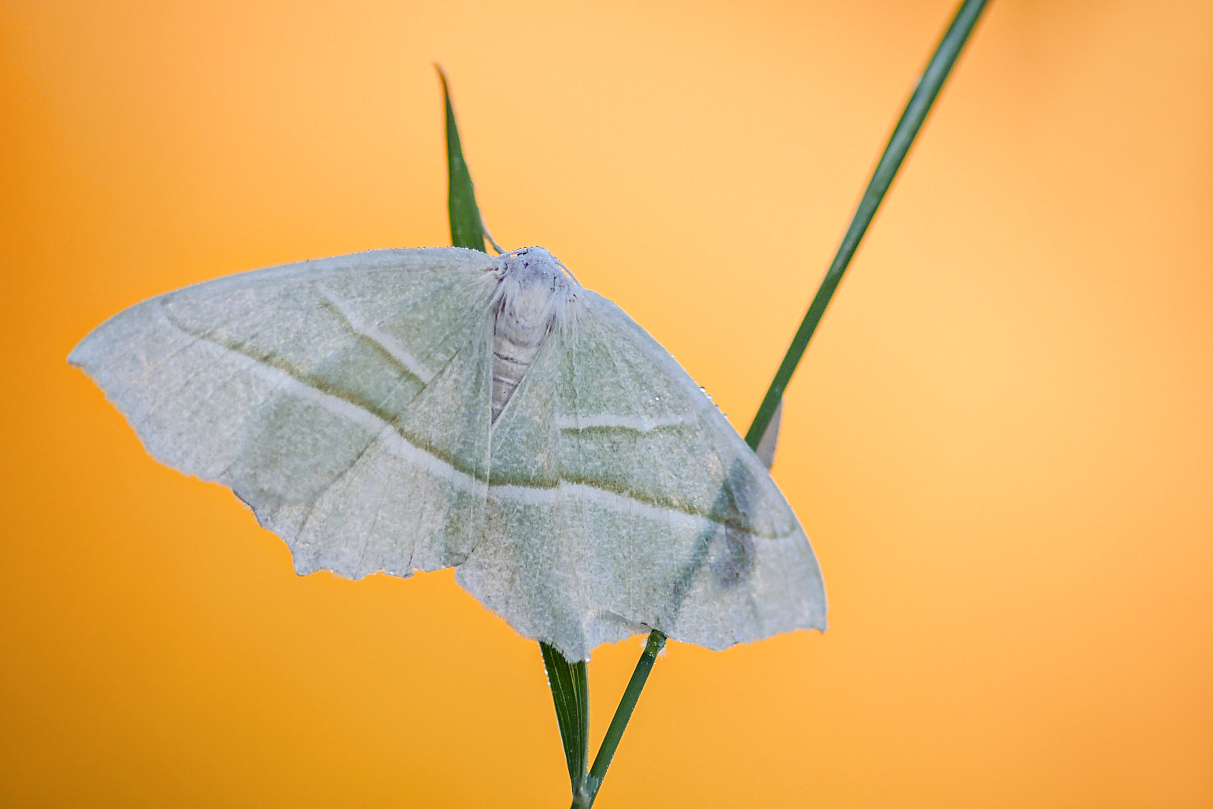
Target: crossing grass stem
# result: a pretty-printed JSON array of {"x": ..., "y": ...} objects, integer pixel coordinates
[{"x": 569, "y": 680}]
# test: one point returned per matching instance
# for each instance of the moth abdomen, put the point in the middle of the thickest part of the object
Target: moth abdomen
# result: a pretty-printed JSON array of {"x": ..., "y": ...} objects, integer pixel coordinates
[{"x": 533, "y": 295}]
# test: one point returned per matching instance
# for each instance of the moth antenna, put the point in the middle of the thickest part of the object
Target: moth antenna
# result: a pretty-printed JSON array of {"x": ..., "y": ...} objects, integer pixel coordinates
[
  {"x": 567, "y": 271},
  {"x": 489, "y": 236}
]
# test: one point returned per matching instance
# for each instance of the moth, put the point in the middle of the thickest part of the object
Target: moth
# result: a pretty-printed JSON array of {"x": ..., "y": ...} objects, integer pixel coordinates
[{"x": 416, "y": 409}]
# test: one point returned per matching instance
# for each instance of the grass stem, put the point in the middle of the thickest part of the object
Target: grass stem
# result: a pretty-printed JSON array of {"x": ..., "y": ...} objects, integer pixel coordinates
[
  {"x": 569, "y": 681},
  {"x": 619, "y": 722},
  {"x": 895, "y": 151},
  {"x": 921, "y": 100}
]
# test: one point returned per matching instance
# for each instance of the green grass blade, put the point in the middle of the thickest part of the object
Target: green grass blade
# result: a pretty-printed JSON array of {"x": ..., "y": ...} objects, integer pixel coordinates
[
  {"x": 915, "y": 113},
  {"x": 467, "y": 230},
  {"x": 571, "y": 694},
  {"x": 907, "y": 128},
  {"x": 569, "y": 681}
]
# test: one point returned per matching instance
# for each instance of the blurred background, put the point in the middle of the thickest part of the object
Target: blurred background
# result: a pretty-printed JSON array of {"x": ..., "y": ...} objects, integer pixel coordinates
[{"x": 1000, "y": 440}]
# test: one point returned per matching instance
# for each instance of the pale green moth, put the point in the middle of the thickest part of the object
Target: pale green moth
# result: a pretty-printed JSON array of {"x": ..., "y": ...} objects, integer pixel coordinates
[{"x": 401, "y": 410}]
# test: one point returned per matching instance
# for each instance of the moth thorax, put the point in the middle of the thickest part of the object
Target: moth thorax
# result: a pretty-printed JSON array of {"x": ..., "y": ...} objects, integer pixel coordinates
[{"x": 533, "y": 296}]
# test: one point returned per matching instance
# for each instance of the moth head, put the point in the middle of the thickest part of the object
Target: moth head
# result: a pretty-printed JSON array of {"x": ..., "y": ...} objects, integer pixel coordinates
[{"x": 535, "y": 292}]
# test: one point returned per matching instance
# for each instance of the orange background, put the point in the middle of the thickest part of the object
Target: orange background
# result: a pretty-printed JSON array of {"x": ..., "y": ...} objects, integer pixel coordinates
[{"x": 1000, "y": 442}]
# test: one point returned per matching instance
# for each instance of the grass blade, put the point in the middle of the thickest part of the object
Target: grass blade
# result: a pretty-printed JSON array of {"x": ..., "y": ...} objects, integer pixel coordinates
[
  {"x": 571, "y": 694},
  {"x": 467, "y": 230},
  {"x": 924, "y": 95},
  {"x": 569, "y": 681}
]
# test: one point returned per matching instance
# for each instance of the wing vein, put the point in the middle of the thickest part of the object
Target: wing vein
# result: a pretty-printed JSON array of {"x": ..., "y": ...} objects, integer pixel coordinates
[{"x": 390, "y": 345}]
